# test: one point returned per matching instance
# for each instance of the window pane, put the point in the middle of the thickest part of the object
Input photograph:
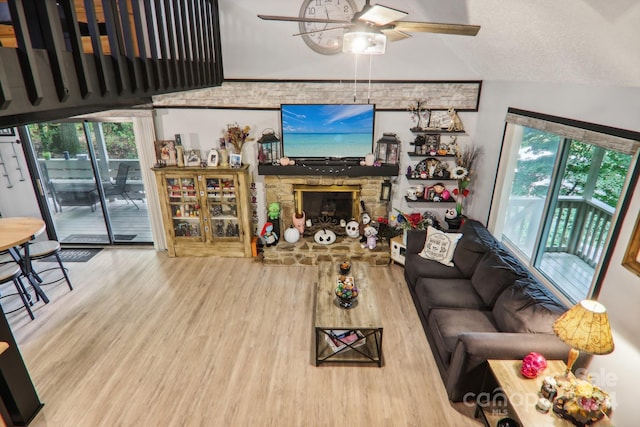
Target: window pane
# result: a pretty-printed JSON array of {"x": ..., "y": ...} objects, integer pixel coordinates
[
  {"x": 533, "y": 170},
  {"x": 592, "y": 181}
]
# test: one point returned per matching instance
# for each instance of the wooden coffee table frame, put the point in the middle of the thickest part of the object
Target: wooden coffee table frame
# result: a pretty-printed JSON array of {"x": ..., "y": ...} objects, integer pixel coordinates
[{"x": 363, "y": 318}]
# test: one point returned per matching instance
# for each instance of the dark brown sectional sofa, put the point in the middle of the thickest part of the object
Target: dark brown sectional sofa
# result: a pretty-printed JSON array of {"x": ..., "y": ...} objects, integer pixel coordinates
[{"x": 488, "y": 306}]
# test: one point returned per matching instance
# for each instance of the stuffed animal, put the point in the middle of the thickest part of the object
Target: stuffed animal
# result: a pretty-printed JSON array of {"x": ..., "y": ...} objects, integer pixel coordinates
[
  {"x": 452, "y": 219},
  {"x": 269, "y": 237},
  {"x": 353, "y": 229},
  {"x": 371, "y": 237},
  {"x": 273, "y": 210},
  {"x": 364, "y": 222}
]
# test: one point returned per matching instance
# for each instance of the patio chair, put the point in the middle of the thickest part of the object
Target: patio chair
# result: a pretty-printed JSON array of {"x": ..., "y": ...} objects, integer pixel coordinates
[{"x": 120, "y": 186}]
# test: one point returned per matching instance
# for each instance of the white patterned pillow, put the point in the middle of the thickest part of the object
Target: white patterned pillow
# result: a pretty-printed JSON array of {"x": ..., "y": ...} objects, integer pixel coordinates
[{"x": 439, "y": 246}]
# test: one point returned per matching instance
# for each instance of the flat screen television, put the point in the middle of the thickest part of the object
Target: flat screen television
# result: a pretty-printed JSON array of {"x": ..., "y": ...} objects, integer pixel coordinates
[{"x": 327, "y": 131}]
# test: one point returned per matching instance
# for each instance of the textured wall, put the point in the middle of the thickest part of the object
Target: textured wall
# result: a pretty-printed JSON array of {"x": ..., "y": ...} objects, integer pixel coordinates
[{"x": 270, "y": 94}]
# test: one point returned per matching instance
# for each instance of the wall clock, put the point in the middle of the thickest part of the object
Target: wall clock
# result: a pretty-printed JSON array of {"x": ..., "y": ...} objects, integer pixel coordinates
[{"x": 314, "y": 34}]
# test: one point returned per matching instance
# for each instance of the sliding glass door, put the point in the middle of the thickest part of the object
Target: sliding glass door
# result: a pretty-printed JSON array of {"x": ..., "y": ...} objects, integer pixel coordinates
[
  {"x": 89, "y": 174},
  {"x": 561, "y": 198}
]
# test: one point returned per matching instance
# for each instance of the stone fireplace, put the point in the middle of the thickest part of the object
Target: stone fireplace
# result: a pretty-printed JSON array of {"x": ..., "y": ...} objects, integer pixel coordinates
[{"x": 323, "y": 197}]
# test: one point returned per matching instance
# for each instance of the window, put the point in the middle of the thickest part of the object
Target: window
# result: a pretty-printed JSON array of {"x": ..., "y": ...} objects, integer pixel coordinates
[{"x": 559, "y": 189}]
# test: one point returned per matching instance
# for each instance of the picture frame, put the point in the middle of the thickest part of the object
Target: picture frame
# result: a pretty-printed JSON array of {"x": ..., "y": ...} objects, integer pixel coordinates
[
  {"x": 235, "y": 160},
  {"x": 8, "y": 132},
  {"x": 631, "y": 259},
  {"x": 213, "y": 158},
  {"x": 193, "y": 157},
  {"x": 439, "y": 119},
  {"x": 166, "y": 152}
]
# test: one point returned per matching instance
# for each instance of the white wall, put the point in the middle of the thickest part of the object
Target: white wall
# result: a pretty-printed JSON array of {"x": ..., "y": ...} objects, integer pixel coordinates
[
  {"x": 17, "y": 197},
  {"x": 620, "y": 292}
]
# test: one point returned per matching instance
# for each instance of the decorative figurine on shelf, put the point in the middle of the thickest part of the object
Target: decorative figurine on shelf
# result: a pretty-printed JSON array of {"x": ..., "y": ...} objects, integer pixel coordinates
[
  {"x": 298, "y": 221},
  {"x": 269, "y": 237},
  {"x": 455, "y": 124},
  {"x": 452, "y": 219},
  {"x": 437, "y": 193},
  {"x": 453, "y": 148},
  {"x": 370, "y": 236},
  {"x": 419, "y": 114}
]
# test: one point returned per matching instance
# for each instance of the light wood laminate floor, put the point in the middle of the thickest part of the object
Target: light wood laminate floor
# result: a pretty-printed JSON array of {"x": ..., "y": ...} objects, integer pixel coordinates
[{"x": 147, "y": 340}]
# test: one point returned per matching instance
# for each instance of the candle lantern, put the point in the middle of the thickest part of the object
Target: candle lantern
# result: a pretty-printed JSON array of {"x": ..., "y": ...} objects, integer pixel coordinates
[
  {"x": 388, "y": 149},
  {"x": 269, "y": 148}
]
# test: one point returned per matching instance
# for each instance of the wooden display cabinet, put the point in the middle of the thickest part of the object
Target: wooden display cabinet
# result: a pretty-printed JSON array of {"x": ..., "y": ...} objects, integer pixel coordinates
[{"x": 206, "y": 211}]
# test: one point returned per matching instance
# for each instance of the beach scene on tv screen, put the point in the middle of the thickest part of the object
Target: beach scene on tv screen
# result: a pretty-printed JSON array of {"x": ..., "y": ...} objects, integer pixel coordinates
[{"x": 327, "y": 130}]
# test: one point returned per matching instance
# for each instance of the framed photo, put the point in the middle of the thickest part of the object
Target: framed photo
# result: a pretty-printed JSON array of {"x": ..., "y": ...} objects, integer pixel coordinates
[
  {"x": 7, "y": 132},
  {"x": 193, "y": 157},
  {"x": 439, "y": 119},
  {"x": 213, "y": 158},
  {"x": 166, "y": 152},
  {"x": 235, "y": 160},
  {"x": 631, "y": 258}
]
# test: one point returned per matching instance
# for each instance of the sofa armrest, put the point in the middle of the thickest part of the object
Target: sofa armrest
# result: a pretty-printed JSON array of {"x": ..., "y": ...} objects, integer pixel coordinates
[{"x": 467, "y": 366}]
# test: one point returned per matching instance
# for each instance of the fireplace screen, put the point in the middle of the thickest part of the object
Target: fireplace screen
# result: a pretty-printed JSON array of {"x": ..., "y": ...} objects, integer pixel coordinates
[{"x": 328, "y": 203}]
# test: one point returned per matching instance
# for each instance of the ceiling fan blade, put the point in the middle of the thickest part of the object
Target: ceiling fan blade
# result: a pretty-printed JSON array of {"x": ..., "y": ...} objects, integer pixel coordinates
[
  {"x": 381, "y": 15},
  {"x": 394, "y": 35},
  {"x": 433, "y": 27},
  {"x": 298, "y": 19},
  {"x": 324, "y": 29}
]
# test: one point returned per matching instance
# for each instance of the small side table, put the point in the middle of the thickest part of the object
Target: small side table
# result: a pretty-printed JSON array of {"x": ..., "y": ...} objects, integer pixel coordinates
[
  {"x": 398, "y": 250},
  {"x": 522, "y": 394}
]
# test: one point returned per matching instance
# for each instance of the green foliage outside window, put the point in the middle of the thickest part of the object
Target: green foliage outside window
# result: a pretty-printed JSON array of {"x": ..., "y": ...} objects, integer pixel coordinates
[{"x": 537, "y": 156}]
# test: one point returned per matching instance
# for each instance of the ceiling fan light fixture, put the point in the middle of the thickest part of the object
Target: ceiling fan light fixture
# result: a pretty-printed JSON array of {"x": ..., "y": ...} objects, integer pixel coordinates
[{"x": 364, "y": 42}]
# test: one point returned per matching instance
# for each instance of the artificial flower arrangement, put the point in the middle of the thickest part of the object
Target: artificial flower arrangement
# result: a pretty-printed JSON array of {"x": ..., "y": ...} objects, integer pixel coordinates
[
  {"x": 416, "y": 220},
  {"x": 463, "y": 173},
  {"x": 237, "y": 136},
  {"x": 581, "y": 402}
]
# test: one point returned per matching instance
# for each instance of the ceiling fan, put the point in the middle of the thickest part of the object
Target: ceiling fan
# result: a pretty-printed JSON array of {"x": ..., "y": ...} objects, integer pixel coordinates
[{"x": 326, "y": 26}]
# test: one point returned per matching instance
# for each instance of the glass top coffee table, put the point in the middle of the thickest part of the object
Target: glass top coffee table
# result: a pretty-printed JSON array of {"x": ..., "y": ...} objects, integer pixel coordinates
[{"x": 346, "y": 335}]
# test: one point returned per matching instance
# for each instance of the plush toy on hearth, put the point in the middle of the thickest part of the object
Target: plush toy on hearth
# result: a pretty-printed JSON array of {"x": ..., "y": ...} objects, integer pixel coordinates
[
  {"x": 269, "y": 237},
  {"x": 273, "y": 210},
  {"x": 371, "y": 237}
]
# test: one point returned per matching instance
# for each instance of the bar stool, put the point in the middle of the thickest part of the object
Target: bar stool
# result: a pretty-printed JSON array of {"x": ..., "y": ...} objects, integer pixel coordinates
[
  {"x": 44, "y": 249},
  {"x": 12, "y": 272}
]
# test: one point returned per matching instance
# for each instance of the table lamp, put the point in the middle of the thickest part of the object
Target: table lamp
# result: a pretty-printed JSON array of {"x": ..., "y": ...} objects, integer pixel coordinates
[{"x": 585, "y": 327}]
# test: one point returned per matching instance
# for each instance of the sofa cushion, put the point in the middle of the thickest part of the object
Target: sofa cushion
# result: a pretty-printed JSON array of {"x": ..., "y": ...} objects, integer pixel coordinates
[
  {"x": 446, "y": 324},
  {"x": 475, "y": 242},
  {"x": 495, "y": 271},
  {"x": 440, "y": 246},
  {"x": 447, "y": 293},
  {"x": 416, "y": 267},
  {"x": 527, "y": 307}
]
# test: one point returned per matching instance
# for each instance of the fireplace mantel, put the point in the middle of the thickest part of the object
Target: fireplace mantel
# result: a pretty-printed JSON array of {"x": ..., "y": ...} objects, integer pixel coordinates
[{"x": 329, "y": 170}]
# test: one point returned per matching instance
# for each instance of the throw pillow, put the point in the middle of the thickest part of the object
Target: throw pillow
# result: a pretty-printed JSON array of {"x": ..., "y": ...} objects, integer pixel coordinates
[{"x": 439, "y": 246}]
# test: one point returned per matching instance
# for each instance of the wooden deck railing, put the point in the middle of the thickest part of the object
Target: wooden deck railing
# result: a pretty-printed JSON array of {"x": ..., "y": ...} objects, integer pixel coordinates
[
  {"x": 66, "y": 57},
  {"x": 578, "y": 226}
]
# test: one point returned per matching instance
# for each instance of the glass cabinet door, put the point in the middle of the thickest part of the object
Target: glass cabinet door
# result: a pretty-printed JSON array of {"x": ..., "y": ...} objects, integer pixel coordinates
[
  {"x": 184, "y": 204},
  {"x": 223, "y": 208}
]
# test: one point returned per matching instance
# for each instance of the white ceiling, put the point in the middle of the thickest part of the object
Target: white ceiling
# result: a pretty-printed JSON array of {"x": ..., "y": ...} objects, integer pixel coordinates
[{"x": 588, "y": 42}]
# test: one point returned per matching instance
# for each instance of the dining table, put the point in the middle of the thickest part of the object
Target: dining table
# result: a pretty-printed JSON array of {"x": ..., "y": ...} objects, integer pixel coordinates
[
  {"x": 19, "y": 399},
  {"x": 16, "y": 232}
]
